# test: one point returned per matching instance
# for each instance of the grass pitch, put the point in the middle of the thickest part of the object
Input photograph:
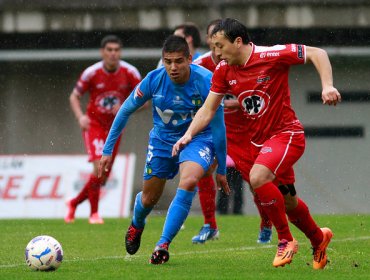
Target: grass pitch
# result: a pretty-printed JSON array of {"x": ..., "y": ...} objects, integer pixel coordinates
[{"x": 97, "y": 251}]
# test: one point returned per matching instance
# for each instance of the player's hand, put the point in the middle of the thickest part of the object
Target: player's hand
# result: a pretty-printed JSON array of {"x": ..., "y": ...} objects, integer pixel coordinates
[
  {"x": 330, "y": 96},
  {"x": 84, "y": 122},
  {"x": 181, "y": 143},
  {"x": 222, "y": 183},
  {"x": 105, "y": 165}
]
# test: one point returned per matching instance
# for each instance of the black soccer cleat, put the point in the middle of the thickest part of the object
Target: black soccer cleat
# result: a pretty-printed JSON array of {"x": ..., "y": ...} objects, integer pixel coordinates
[
  {"x": 133, "y": 238},
  {"x": 160, "y": 254}
]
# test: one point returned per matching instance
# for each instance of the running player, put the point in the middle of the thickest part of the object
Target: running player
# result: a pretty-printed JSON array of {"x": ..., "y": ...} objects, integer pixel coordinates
[
  {"x": 177, "y": 91},
  {"x": 108, "y": 82},
  {"x": 258, "y": 77},
  {"x": 236, "y": 132}
]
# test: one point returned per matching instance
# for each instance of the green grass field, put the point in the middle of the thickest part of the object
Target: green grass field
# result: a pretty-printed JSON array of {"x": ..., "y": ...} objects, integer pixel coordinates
[{"x": 97, "y": 251}]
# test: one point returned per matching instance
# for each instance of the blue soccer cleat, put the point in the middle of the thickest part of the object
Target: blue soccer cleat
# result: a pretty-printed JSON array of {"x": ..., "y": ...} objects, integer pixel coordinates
[
  {"x": 265, "y": 235},
  {"x": 206, "y": 233}
]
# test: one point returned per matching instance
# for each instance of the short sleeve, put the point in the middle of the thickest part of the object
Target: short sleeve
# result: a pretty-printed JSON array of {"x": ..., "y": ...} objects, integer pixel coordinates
[{"x": 219, "y": 83}]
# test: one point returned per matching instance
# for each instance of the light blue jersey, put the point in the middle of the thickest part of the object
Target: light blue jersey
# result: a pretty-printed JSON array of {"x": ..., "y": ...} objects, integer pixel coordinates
[{"x": 173, "y": 108}]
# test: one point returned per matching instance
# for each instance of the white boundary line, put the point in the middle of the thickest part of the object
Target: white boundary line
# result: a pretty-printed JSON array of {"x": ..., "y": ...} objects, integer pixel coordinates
[{"x": 128, "y": 257}]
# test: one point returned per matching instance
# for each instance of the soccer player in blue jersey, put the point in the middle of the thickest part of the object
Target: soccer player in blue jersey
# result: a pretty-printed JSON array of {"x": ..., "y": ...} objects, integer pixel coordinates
[{"x": 177, "y": 91}]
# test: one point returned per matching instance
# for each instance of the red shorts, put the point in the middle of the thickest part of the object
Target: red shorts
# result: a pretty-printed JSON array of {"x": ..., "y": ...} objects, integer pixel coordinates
[
  {"x": 279, "y": 154},
  {"x": 240, "y": 152},
  {"x": 94, "y": 140}
]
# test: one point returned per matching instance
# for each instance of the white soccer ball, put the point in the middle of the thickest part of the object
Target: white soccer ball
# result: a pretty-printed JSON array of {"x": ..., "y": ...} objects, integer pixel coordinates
[{"x": 44, "y": 253}]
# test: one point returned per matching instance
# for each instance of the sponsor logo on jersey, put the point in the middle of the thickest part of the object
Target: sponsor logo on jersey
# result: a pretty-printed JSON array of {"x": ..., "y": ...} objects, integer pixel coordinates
[
  {"x": 232, "y": 82},
  {"x": 100, "y": 85},
  {"x": 254, "y": 103},
  {"x": 169, "y": 115},
  {"x": 177, "y": 100},
  {"x": 269, "y": 54},
  {"x": 262, "y": 79}
]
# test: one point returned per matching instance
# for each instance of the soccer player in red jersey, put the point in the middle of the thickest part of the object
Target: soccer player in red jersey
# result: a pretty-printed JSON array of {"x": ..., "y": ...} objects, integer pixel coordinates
[
  {"x": 236, "y": 131},
  {"x": 258, "y": 77},
  {"x": 108, "y": 82}
]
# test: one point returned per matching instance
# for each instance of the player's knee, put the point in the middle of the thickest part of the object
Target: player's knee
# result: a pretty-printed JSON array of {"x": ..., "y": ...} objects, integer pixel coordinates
[
  {"x": 258, "y": 178},
  {"x": 149, "y": 199},
  {"x": 188, "y": 183}
]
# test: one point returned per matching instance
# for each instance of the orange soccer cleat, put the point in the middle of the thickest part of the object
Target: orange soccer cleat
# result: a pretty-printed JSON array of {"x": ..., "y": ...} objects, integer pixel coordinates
[
  {"x": 285, "y": 252},
  {"x": 319, "y": 253}
]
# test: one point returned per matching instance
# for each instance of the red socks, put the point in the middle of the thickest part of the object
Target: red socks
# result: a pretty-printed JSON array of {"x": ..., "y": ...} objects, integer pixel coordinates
[
  {"x": 91, "y": 190},
  {"x": 265, "y": 221},
  {"x": 272, "y": 202},
  {"x": 302, "y": 219},
  {"x": 207, "y": 198},
  {"x": 94, "y": 192}
]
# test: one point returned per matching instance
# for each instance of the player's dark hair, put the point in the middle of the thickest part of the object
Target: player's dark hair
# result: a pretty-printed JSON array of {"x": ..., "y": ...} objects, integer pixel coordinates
[
  {"x": 110, "y": 39},
  {"x": 190, "y": 29},
  {"x": 213, "y": 22},
  {"x": 232, "y": 29},
  {"x": 175, "y": 43}
]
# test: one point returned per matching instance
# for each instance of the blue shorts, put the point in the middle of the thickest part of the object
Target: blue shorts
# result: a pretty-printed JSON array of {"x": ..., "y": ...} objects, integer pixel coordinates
[{"x": 160, "y": 163}]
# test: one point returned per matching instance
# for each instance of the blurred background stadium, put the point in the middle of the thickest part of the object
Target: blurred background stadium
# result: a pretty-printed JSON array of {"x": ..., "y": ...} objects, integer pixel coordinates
[{"x": 45, "y": 44}]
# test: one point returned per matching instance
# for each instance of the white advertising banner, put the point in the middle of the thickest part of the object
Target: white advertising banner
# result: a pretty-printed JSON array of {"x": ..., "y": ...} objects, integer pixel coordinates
[{"x": 38, "y": 186}]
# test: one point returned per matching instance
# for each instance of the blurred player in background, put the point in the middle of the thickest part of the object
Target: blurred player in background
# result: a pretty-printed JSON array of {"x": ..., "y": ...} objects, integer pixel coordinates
[
  {"x": 108, "y": 82},
  {"x": 177, "y": 91},
  {"x": 191, "y": 33},
  {"x": 258, "y": 77},
  {"x": 236, "y": 132}
]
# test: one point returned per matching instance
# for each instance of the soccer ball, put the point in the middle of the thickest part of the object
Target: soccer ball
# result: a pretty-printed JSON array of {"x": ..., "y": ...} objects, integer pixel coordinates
[{"x": 44, "y": 253}]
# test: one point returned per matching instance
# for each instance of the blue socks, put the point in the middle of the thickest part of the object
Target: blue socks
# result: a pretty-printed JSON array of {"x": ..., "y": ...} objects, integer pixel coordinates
[
  {"x": 176, "y": 215},
  {"x": 140, "y": 212}
]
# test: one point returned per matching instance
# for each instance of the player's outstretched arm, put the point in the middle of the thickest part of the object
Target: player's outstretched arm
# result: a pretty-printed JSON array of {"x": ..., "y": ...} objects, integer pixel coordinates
[
  {"x": 202, "y": 118},
  {"x": 319, "y": 57}
]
